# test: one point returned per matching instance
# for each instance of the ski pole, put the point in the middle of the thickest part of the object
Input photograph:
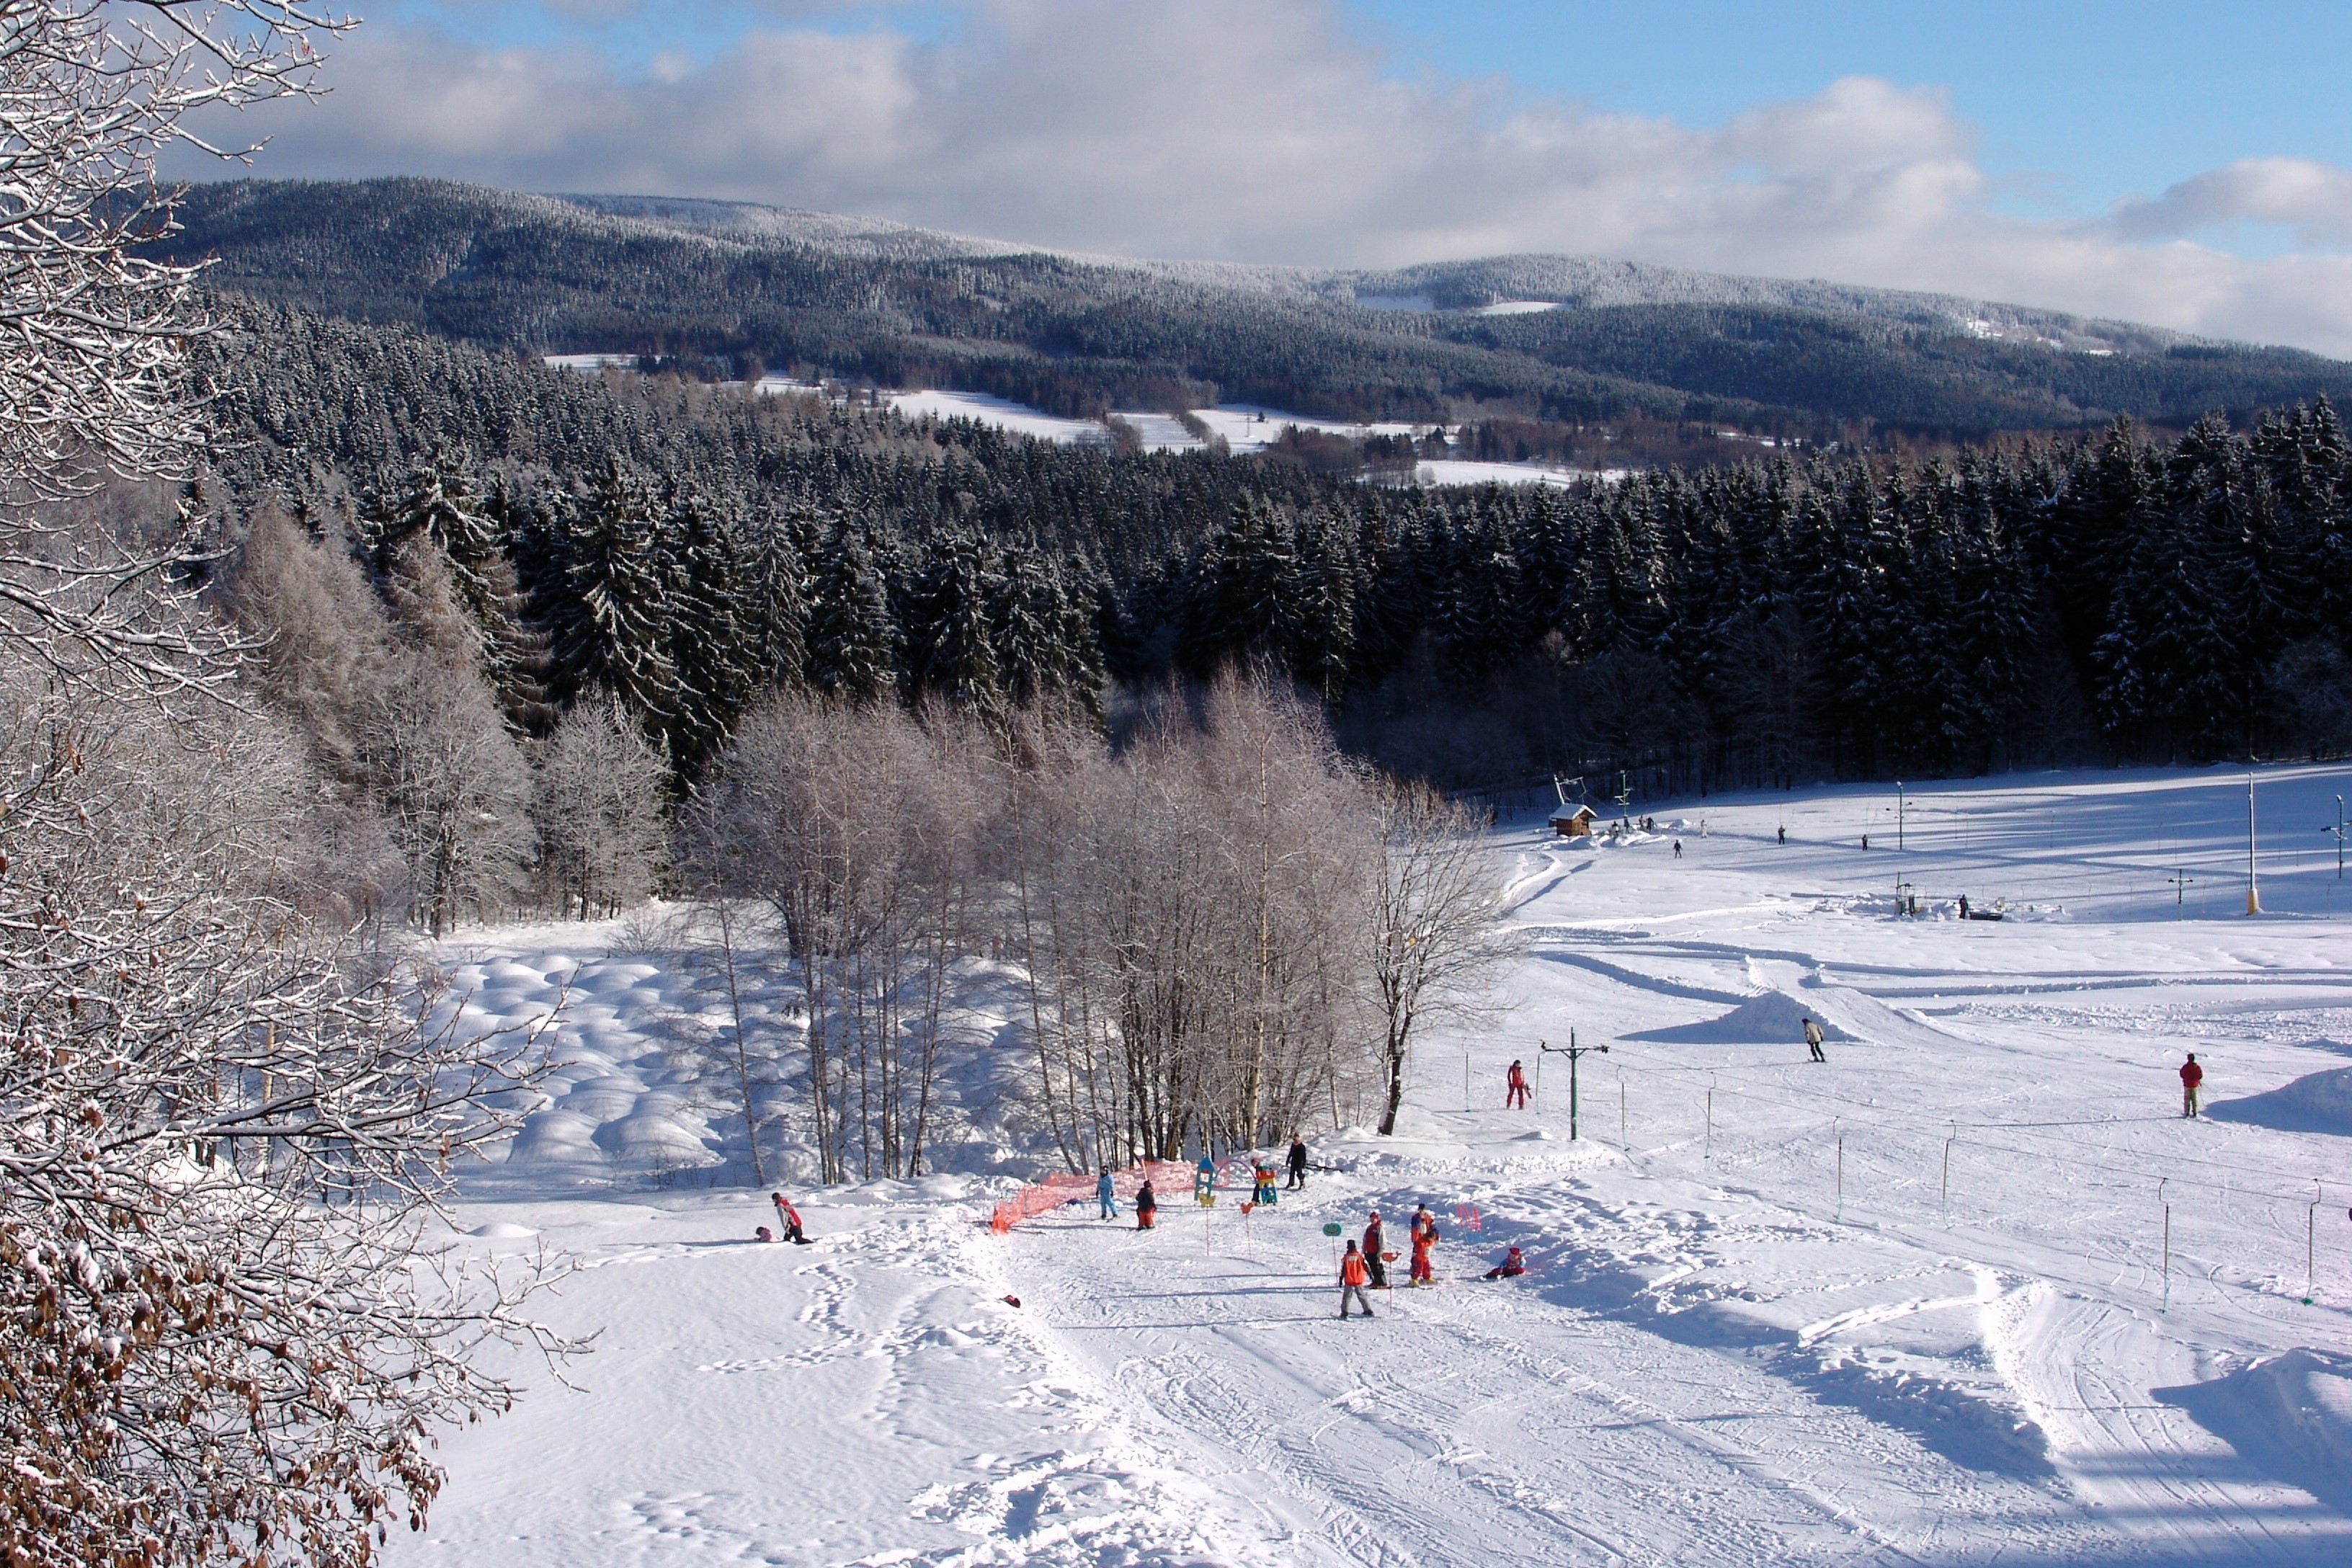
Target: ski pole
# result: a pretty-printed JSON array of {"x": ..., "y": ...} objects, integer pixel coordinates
[
  {"x": 2166, "y": 1306},
  {"x": 1947, "y": 1176}
]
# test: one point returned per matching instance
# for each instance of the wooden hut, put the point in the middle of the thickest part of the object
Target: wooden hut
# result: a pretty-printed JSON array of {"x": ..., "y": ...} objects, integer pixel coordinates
[{"x": 1573, "y": 821}]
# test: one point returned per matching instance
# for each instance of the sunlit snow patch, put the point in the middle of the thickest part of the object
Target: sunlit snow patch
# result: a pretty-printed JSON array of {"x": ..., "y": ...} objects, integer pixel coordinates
[
  {"x": 1770, "y": 1018},
  {"x": 2315, "y": 1102}
]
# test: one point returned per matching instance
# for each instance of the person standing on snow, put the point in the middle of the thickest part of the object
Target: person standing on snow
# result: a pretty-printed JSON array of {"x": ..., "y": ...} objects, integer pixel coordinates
[
  {"x": 1517, "y": 1085},
  {"x": 1351, "y": 1281},
  {"x": 2191, "y": 1075},
  {"x": 1297, "y": 1162},
  {"x": 1813, "y": 1040},
  {"x": 1108, "y": 1195},
  {"x": 1375, "y": 1242},
  {"x": 790, "y": 1218},
  {"x": 1424, "y": 1236},
  {"x": 1678, "y": 848},
  {"x": 1147, "y": 1204}
]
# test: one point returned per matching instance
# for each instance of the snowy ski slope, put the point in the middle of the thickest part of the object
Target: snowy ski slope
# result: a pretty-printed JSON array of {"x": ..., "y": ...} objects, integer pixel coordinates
[{"x": 1912, "y": 1306}]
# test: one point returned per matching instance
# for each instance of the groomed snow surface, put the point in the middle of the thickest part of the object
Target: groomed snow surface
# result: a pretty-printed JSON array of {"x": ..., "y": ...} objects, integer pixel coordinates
[{"x": 1912, "y": 1306}]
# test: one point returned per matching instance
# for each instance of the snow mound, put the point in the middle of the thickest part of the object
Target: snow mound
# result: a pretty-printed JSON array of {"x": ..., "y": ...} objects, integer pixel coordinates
[
  {"x": 2317, "y": 1102},
  {"x": 2289, "y": 1417},
  {"x": 502, "y": 1230},
  {"x": 1771, "y": 1018}
]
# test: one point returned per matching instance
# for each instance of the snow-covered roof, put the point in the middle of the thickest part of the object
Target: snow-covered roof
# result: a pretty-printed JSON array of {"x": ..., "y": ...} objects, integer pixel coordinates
[{"x": 1566, "y": 813}]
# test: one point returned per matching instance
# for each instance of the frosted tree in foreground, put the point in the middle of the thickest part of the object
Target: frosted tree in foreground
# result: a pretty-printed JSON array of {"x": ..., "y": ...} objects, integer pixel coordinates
[{"x": 224, "y": 1334}]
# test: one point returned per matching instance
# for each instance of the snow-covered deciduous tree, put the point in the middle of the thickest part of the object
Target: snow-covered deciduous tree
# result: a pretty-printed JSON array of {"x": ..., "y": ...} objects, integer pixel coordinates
[
  {"x": 598, "y": 805},
  {"x": 224, "y": 1337}
]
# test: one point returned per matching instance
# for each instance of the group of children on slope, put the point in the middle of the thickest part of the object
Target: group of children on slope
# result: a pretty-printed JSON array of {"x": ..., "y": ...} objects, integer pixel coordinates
[
  {"x": 1365, "y": 1266},
  {"x": 1147, "y": 1201}
]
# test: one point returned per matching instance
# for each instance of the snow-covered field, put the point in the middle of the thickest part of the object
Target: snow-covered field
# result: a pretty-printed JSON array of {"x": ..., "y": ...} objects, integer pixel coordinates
[{"x": 1970, "y": 1291}]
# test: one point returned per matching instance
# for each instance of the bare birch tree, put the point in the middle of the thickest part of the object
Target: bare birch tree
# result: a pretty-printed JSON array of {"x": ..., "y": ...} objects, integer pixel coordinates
[{"x": 1434, "y": 935}]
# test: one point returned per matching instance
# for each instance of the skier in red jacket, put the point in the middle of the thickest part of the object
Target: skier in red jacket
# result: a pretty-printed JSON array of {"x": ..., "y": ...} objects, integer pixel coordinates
[
  {"x": 1424, "y": 1236},
  {"x": 2191, "y": 1075},
  {"x": 1517, "y": 1097},
  {"x": 1351, "y": 1281}
]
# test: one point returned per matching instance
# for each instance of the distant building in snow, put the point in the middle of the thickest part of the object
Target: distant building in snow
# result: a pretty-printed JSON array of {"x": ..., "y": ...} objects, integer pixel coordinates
[{"x": 1573, "y": 821}]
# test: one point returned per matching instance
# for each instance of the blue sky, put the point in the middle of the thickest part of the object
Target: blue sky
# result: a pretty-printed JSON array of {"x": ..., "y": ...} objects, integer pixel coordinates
[{"x": 2158, "y": 162}]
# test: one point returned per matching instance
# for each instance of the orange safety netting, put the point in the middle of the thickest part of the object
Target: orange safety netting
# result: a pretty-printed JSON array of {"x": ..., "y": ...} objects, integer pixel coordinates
[{"x": 1054, "y": 1191}]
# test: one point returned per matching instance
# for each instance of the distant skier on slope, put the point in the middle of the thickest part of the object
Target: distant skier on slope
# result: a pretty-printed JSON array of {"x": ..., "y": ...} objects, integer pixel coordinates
[
  {"x": 1351, "y": 1281},
  {"x": 1784, "y": 836},
  {"x": 2191, "y": 1075},
  {"x": 1108, "y": 1195},
  {"x": 1424, "y": 1238},
  {"x": 1147, "y": 1205},
  {"x": 790, "y": 1218},
  {"x": 1813, "y": 1040},
  {"x": 1375, "y": 1239},
  {"x": 1511, "y": 1268},
  {"x": 1516, "y": 1084},
  {"x": 1297, "y": 1162}
]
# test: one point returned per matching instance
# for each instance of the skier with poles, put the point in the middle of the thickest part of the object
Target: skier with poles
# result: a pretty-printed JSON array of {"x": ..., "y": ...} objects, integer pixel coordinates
[
  {"x": 790, "y": 1218},
  {"x": 1424, "y": 1236},
  {"x": 2191, "y": 1075},
  {"x": 1351, "y": 1281},
  {"x": 1374, "y": 1240},
  {"x": 1147, "y": 1205},
  {"x": 1516, "y": 1099},
  {"x": 1108, "y": 1195},
  {"x": 1297, "y": 1163}
]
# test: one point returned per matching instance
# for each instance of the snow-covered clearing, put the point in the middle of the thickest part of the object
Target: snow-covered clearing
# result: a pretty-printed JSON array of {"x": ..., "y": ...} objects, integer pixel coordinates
[{"x": 1763, "y": 1324}]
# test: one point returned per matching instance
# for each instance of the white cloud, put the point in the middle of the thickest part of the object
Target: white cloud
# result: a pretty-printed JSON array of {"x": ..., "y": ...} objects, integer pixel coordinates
[{"x": 1227, "y": 129}]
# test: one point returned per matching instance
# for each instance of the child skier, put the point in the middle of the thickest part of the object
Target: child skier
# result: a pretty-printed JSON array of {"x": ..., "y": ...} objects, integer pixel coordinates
[
  {"x": 1351, "y": 1281},
  {"x": 1517, "y": 1083},
  {"x": 2191, "y": 1075},
  {"x": 1147, "y": 1204},
  {"x": 1374, "y": 1240},
  {"x": 1424, "y": 1236},
  {"x": 790, "y": 1218},
  {"x": 1511, "y": 1268},
  {"x": 1106, "y": 1195}
]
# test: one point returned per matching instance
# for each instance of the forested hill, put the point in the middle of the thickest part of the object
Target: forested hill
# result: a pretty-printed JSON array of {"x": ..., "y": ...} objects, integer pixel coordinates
[
  {"x": 724, "y": 288},
  {"x": 682, "y": 548}
]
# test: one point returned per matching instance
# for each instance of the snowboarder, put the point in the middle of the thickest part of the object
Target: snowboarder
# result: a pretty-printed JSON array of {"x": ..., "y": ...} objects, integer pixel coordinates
[
  {"x": 1424, "y": 1236},
  {"x": 1813, "y": 1040},
  {"x": 2191, "y": 1075},
  {"x": 1784, "y": 836},
  {"x": 1204, "y": 1182},
  {"x": 1147, "y": 1204},
  {"x": 1108, "y": 1195},
  {"x": 1297, "y": 1162},
  {"x": 1517, "y": 1085},
  {"x": 790, "y": 1218},
  {"x": 1375, "y": 1239},
  {"x": 1511, "y": 1268},
  {"x": 1351, "y": 1281}
]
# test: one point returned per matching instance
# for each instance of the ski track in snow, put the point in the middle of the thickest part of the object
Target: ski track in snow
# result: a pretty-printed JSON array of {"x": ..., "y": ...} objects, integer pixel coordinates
[{"x": 1910, "y": 1306}]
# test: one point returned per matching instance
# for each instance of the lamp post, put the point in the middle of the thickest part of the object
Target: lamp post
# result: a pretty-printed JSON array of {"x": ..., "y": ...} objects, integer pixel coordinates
[
  {"x": 1572, "y": 1051},
  {"x": 2338, "y": 831},
  {"x": 2253, "y": 889}
]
